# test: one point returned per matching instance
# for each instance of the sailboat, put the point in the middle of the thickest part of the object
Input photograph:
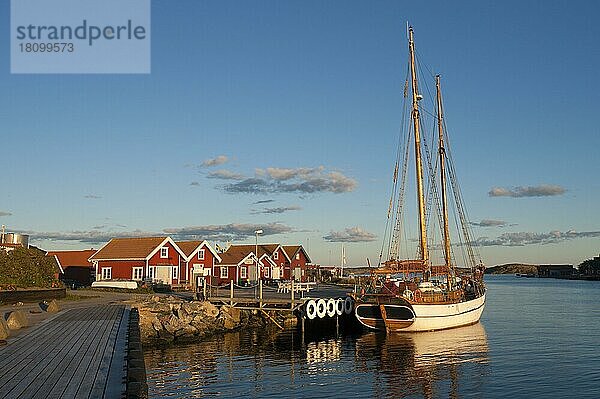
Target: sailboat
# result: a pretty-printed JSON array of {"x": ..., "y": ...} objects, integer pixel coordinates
[{"x": 413, "y": 294}]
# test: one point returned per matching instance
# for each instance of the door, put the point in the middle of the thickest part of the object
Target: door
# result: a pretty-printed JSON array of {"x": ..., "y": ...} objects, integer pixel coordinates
[{"x": 163, "y": 274}]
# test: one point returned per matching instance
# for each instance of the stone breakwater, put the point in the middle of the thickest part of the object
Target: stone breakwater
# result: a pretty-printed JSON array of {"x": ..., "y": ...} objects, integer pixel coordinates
[{"x": 168, "y": 320}]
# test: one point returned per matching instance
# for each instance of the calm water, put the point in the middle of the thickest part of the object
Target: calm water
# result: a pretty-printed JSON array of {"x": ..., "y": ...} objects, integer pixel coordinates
[{"x": 538, "y": 338}]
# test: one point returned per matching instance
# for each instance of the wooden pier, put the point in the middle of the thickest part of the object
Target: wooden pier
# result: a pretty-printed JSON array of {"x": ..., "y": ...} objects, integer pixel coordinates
[{"x": 81, "y": 353}]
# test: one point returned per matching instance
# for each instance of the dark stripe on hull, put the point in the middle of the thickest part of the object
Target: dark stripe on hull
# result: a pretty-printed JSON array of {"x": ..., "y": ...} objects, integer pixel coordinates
[
  {"x": 369, "y": 315},
  {"x": 397, "y": 317}
]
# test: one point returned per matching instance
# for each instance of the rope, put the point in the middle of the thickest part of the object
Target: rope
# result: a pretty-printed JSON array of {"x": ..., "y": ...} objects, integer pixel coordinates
[{"x": 249, "y": 287}]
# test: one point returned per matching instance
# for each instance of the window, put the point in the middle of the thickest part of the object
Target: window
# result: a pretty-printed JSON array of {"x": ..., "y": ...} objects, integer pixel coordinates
[
  {"x": 298, "y": 256},
  {"x": 106, "y": 273},
  {"x": 151, "y": 272},
  {"x": 266, "y": 272},
  {"x": 224, "y": 273},
  {"x": 243, "y": 272},
  {"x": 164, "y": 252},
  {"x": 175, "y": 272},
  {"x": 138, "y": 273},
  {"x": 201, "y": 254},
  {"x": 276, "y": 255}
]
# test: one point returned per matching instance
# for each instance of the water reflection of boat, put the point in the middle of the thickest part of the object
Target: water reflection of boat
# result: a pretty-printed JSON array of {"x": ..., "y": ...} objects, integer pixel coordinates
[{"x": 427, "y": 363}]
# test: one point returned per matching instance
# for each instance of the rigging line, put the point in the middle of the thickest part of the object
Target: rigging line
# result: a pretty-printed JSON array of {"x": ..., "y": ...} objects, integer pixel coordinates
[
  {"x": 403, "y": 140},
  {"x": 468, "y": 230},
  {"x": 433, "y": 199},
  {"x": 390, "y": 223},
  {"x": 418, "y": 56},
  {"x": 400, "y": 208},
  {"x": 424, "y": 82}
]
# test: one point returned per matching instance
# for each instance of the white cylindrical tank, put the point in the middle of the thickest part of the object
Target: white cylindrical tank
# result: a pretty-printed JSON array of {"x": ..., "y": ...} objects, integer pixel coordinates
[{"x": 16, "y": 238}]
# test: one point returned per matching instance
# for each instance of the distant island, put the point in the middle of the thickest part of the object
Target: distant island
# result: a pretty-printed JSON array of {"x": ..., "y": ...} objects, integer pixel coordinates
[{"x": 513, "y": 268}]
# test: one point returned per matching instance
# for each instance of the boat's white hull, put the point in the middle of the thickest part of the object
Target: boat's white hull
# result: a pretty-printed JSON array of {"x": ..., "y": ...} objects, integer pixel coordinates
[{"x": 420, "y": 317}]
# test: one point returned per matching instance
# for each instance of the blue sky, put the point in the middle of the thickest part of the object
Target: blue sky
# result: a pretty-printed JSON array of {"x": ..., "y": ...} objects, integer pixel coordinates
[{"x": 305, "y": 98}]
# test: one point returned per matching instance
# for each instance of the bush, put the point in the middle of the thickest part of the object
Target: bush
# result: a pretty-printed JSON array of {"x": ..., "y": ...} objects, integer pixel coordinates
[{"x": 24, "y": 267}]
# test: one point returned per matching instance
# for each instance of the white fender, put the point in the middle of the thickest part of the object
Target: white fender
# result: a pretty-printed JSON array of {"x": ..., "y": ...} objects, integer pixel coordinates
[
  {"x": 311, "y": 309},
  {"x": 331, "y": 307},
  {"x": 339, "y": 306},
  {"x": 348, "y": 305},
  {"x": 321, "y": 308}
]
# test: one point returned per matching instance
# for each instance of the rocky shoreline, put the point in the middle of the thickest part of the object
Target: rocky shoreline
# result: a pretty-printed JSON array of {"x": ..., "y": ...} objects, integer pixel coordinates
[{"x": 169, "y": 320}]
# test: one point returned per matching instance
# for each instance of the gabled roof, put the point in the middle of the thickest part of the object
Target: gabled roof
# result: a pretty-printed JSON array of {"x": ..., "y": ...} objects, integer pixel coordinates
[
  {"x": 292, "y": 250},
  {"x": 236, "y": 254},
  {"x": 133, "y": 248},
  {"x": 72, "y": 258},
  {"x": 263, "y": 249},
  {"x": 269, "y": 260},
  {"x": 191, "y": 248}
]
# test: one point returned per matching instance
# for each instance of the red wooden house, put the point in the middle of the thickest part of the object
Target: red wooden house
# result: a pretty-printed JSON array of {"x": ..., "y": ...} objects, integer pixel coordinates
[
  {"x": 298, "y": 261},
  {"x": 237, "y": 265},
  {"x": 198, "y": 263},
  {"x": 74, "y": 266},
  {"x": 156, "y": 259},
  {"x": 272, "y": 257}
]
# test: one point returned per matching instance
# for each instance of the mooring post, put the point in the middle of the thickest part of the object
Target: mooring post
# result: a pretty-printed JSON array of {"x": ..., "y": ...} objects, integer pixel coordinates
[
  {"x": 231, "y": 293},
  {"x": 260, "y": 294},
  {"x": 292, "y": 289}
]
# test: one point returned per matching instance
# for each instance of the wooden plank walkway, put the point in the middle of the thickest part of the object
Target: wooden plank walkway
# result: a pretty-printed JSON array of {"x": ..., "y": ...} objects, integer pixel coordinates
[{"x": 78, "y": 354}]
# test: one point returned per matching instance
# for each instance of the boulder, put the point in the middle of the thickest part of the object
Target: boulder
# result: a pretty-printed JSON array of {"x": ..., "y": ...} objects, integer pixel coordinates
[
  {"x": 4, "y": 330},
  {"x": 229, "y": 324},
  {"x": 208, "y": 308},
  {"x": 53, "y": 307},
  {"x": 17, "y": 319},
  {"x": 147, "y": 327}
]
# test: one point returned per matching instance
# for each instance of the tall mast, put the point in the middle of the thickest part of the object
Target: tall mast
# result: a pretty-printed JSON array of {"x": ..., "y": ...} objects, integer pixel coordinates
[
  {"x": 419, "y": 169},
  {"x": 442, "y": 154}
]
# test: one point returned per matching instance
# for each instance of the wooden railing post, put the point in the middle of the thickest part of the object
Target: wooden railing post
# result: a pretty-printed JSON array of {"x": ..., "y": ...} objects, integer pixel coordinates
[
  {"x": 231, "y": 293},
  {"x": 292, "y": 289},
  {"x": 260, "y": 293}
]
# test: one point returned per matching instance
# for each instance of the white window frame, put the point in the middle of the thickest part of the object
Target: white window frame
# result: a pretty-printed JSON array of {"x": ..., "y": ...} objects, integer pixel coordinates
[
  {"x": 175, "y": 273},
  {"x": 276, "y": 255},
  {"x": 106, "y": 273},
  {"x": 267, "y": 272},
  {"x": 140, "y": 271},
  {"x": 224, "y": 269},
  {"x": 201, "y": 254},
  {"x": 243, "y": 272},
  {"x": 152, "y": 272},
  {"x": 297, "y": 256},
  {"x": 164, "y": 252}
]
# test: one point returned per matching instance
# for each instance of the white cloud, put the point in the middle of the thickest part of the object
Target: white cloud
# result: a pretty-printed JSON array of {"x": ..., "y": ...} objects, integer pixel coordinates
[
  {"x": 227, "y": 232},
  {"x": 490, "y": 223},
  {"x": 224, "y": 174},
  {"x": 281, "y": 209},
  {"x": 220, "y": 160},
  {"x": 544, "y": 190},
  {"x": 283, "y": 180},
  {"x": 518, "y": 239},
  {"x": 350, "y": 234}
]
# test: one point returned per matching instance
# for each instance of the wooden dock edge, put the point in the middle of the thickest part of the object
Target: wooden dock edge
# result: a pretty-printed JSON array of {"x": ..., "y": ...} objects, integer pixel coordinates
[{"x": 137, "y": 386}]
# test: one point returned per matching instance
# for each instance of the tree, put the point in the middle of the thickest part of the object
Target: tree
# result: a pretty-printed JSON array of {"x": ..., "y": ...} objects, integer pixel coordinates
[
  {"x": 590, "y": 267},
  {"x": 24, "y": 267}
]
